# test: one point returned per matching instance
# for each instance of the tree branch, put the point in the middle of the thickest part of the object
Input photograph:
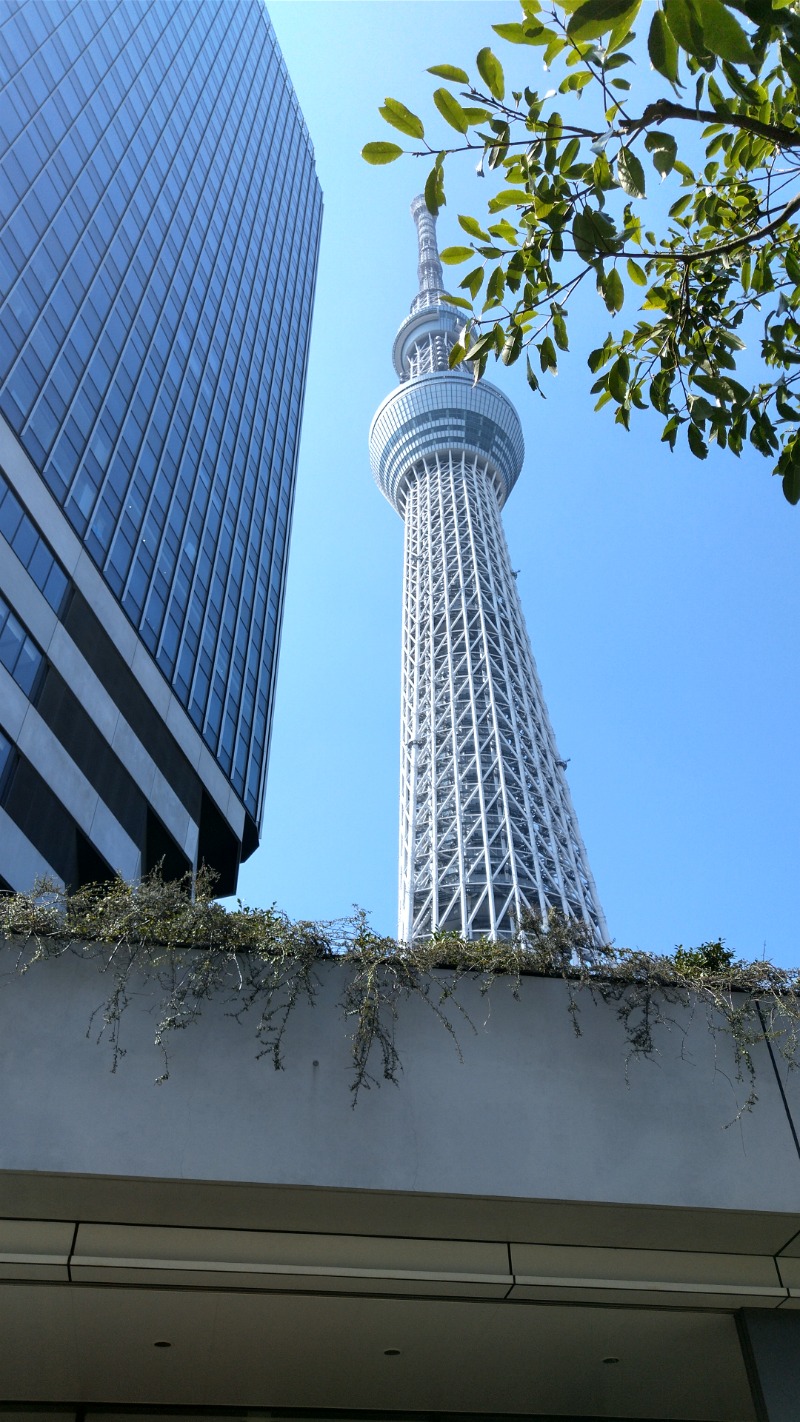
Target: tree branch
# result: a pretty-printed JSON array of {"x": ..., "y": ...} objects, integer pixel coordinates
[
  {"x": 665, "y": 109},
  {"x": 567, "y": 130},
  {"x": 733, "y": 246}
]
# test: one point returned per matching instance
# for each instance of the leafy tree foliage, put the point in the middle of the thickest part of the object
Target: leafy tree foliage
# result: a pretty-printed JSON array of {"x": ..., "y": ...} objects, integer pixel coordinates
[{"x": 714, "y": 275}]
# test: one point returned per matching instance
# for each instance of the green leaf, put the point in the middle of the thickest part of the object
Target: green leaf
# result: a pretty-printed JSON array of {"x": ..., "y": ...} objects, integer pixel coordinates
[
  {"x": 593, "y": 234},
  {"x": 451, "y": 256},
  {"x": 735, "y": 342},
  {"x": 547, "y": 356},
  {"x": 377, "y": 153},
  {"x": 789, "y": 467},
  {"x": 505, "y": 232},
  {"x": 473, "y": 227},
  {"x": 630, "y": 173},
  {"x": 662, "y": 48},
  {"x": 575, "y": 82},
  {"x": 554, "y": 48},
  {"x": 681, "y": 205},
  {"x": 597, "y": 17},
  {"x": 697, "y": 444},
  {"x": 660, "y": 387},
  {"x": 560, "y": 331},
  {"x": 664, "y": 150},
  {"x": 657, "y": 299},
  {"x": 512, "y": 346},
  {"x": 509, "y": 197},
  {"x": 601, "y": 174},
  {"x": 499, "y": 147},
  {"x": 495, "y": 287},
  {"x": 458, "y": 301},
  {"x": 400, "y": 117},
  {"x": 751, "y": 93},
  {"x": 498, "y": 337},
  {"x": 613, "y": 291},
  {"x": 636, "y": 273},
  {"x": 451, "y": 72},
  {"x": 791, "y": 484},
  {"x": 790, "y": 60},
  {"x": 621, "y": 32},
  {"x": 683, "y": 23},
  {"x": 618, "y": 379},
  {"x": 669, "y": 433},
  {"x": 583, "y": 237},
  {"x": 533, "y": 380},
  {"x": 717, "y": 98},
  {"x": 519, "y": 34},
  {"x": 491, "y": 72},
  {"x": 451, "y": 110},
  {"x": 481, "y": 347},
  {"x": 598, "y": 358},
  {"x": 569, "y": 153},
  {"x": 702, "y": 410},
  {"x": 434, "y": 190},
  {"x": 473, "y": 281},
  {"x": 723, "y": 34},
  {"x": 475, "y": 116}
]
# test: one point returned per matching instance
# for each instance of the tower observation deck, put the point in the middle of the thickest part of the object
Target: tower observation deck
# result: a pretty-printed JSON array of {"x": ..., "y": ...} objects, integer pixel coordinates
[{"x": 487, "y": 825}]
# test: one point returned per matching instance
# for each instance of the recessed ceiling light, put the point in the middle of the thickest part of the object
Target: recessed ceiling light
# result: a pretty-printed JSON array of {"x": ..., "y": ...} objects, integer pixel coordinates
[
  {"x": 611, "y": 1360},
  {"x": 391, "y": 1352},
  {"x": 162, "y": 1343}
]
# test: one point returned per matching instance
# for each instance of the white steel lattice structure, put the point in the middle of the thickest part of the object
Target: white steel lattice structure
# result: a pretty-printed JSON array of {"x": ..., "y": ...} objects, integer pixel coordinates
[{"x": 487, "y": 826}]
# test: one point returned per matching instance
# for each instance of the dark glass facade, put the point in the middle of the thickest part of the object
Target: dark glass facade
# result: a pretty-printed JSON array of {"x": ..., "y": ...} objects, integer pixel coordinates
[{"x": 160, "y": 225}]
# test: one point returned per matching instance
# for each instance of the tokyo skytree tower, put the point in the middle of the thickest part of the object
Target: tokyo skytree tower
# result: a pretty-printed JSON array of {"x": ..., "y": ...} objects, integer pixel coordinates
[{"x": 487, "y": 825}]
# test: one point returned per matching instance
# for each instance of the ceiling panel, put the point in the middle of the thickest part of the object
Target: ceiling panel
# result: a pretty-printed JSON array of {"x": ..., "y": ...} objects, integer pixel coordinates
[{"x": 291, "y": 1350}]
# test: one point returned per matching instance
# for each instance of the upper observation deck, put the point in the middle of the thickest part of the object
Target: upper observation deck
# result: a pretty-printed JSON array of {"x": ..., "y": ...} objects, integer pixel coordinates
[{"x": 436, "y": 410}]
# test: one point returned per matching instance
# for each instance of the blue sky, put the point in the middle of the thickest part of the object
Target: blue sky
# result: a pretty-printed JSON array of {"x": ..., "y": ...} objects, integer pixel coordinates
[{"x": 661, "y": 594}]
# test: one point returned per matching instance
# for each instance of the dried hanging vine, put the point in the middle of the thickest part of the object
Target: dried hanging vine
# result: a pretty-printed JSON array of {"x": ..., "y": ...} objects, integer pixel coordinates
[{"x": 177, "y": 938}]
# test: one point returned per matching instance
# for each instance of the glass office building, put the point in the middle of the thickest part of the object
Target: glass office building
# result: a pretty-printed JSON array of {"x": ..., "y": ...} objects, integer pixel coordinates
[{"x": 159, "y": 232}]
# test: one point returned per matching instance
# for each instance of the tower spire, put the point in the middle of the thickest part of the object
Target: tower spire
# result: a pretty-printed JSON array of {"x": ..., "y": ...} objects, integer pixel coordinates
[
  {"x": 487, "y": 826},
  {"x": 429, "y": 270},
  {"x": 425, "y": 338}
]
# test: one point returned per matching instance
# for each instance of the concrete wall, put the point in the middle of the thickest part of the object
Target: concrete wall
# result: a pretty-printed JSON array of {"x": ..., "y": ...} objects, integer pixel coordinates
[
  {"x": 529, "y": 1110},
  {"x": 516, "y": 1230}
]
